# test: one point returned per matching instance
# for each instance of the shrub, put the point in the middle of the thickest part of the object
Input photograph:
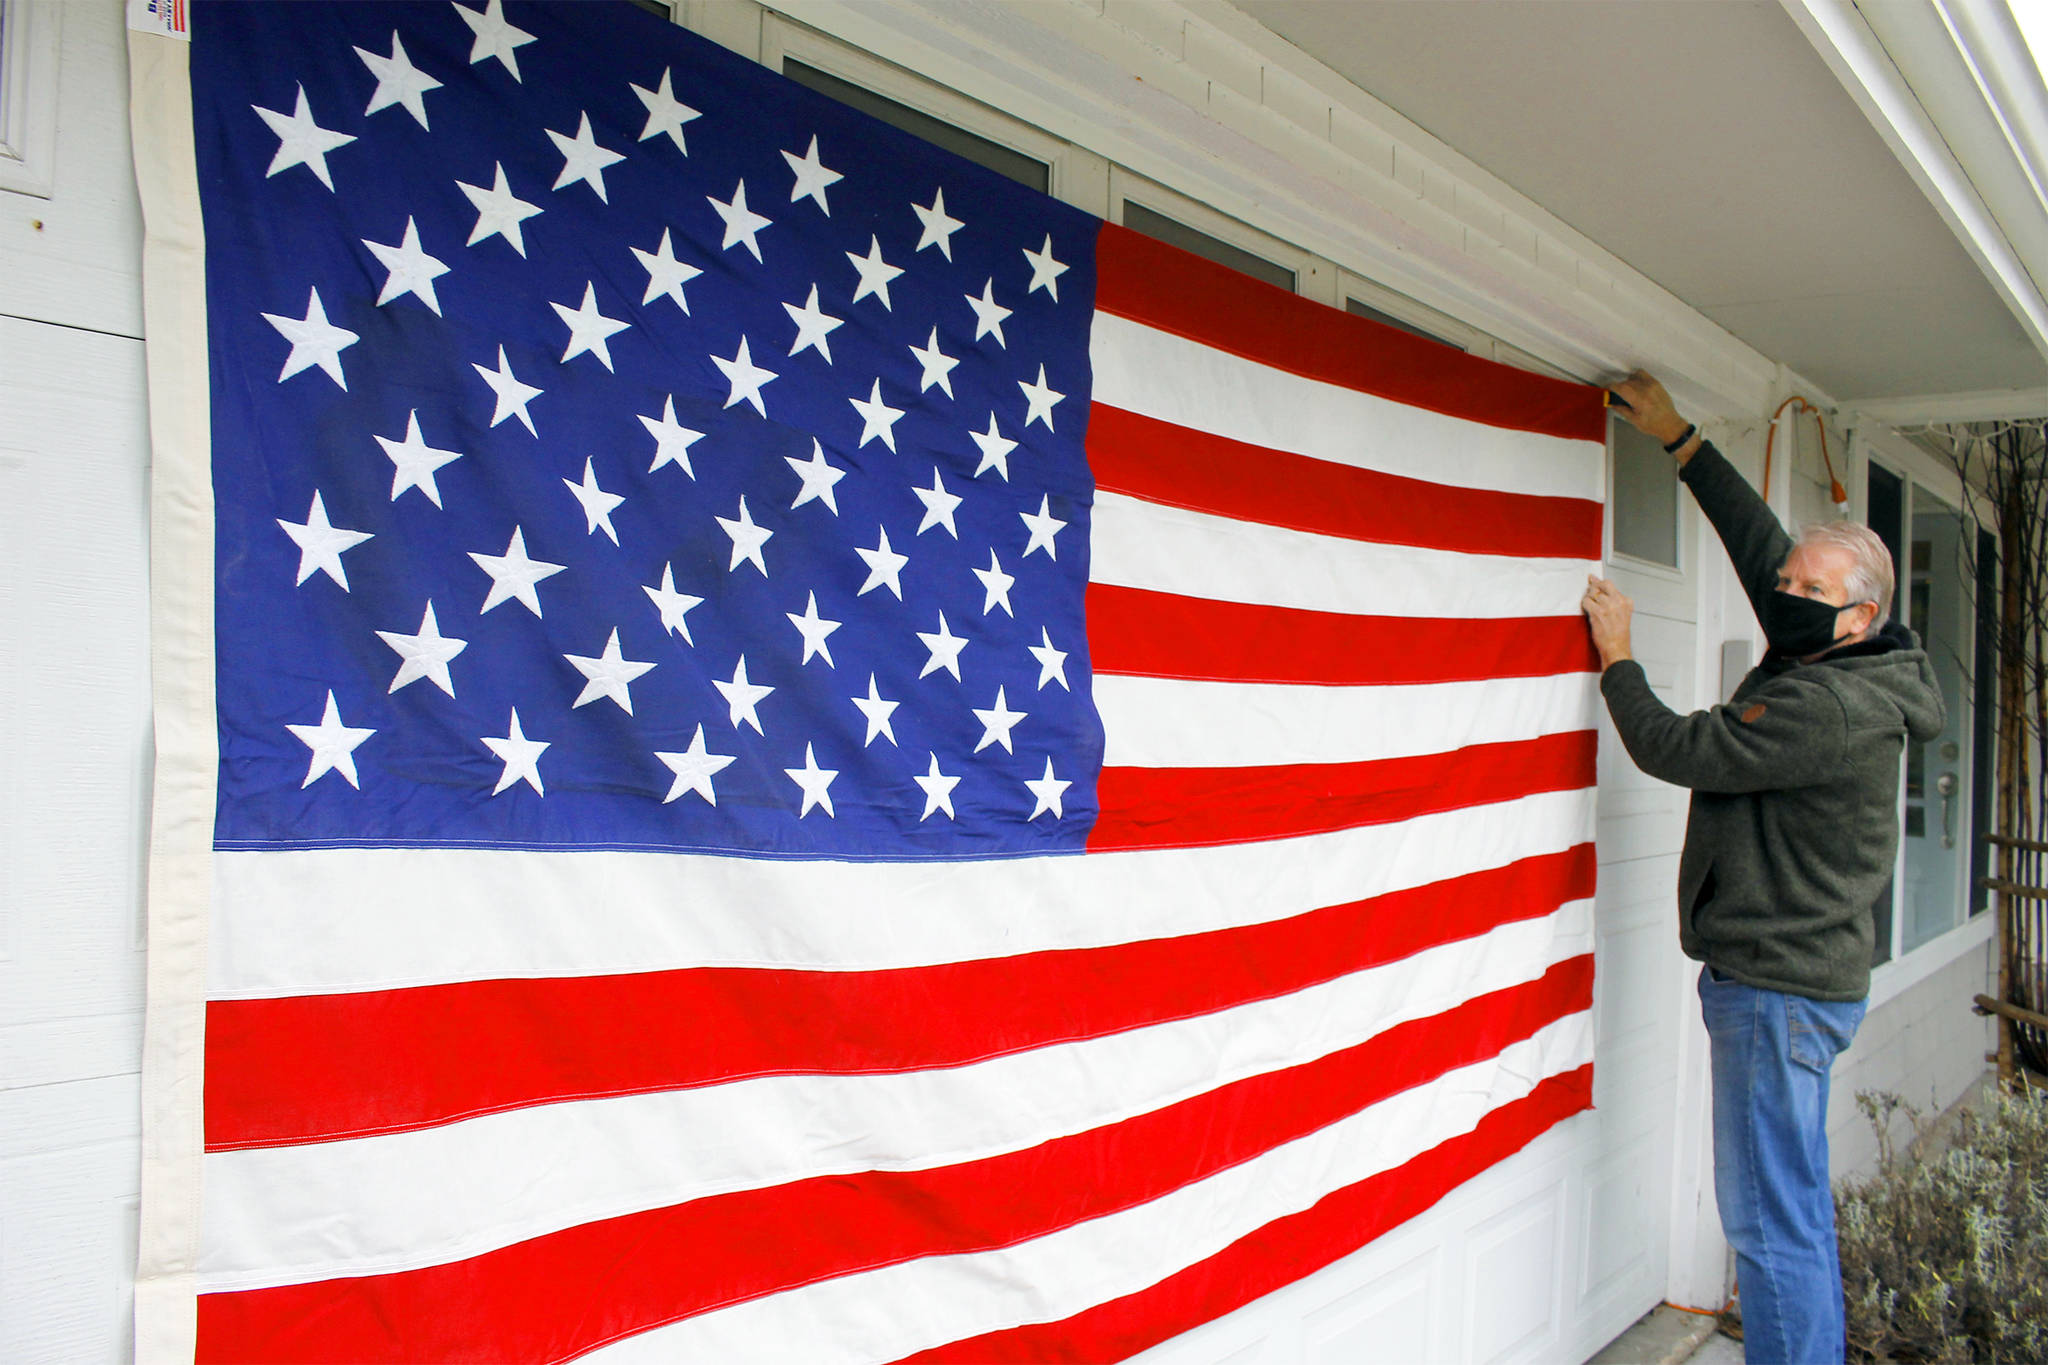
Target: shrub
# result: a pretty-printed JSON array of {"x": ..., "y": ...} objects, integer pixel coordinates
[{"x": 1946, "y": 1260}]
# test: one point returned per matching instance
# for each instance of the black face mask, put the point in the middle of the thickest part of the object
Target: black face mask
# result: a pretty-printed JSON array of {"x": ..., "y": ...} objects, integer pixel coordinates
[{"x": 1799, "y": 626}]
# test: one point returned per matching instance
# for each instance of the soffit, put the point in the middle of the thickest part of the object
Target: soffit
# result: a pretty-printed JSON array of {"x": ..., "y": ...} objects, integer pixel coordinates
[{"x": 1705, "y": 143}]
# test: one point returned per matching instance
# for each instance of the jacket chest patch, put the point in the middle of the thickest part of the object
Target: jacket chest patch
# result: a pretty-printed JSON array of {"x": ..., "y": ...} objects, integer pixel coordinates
[{"x": 1749, "y": 716}]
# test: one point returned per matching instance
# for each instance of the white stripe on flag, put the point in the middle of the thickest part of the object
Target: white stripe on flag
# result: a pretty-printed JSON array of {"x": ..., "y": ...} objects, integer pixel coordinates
[
  {"x": 284, "y": 1215},
  {"x": 1138, "y": 544},
  {"x": 1173, "y": 723},
  {"x": 885, "y": 1314},
  {"x": 1158, "y": 374},
  {"x": 315, "y": 921}
]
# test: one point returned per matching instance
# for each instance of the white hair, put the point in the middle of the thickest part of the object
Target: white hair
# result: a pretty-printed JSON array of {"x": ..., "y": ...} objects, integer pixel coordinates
[{"x": 1870, "y": 577}]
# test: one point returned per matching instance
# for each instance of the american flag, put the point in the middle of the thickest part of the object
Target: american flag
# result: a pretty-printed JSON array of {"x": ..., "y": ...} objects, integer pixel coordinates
[{"x": 823, "y": 757}]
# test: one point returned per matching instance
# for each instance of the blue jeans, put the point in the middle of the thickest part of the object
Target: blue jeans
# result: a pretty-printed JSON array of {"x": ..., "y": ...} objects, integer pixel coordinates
[{"x": 1771, "y": 1055}]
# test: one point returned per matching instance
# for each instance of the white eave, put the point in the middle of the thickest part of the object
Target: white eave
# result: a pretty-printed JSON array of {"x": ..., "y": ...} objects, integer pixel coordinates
[{"x": 1951, "y": 88}]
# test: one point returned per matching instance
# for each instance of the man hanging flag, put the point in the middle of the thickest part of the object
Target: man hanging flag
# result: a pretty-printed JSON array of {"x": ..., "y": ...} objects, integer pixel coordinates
[{"x": 820, "y": 757}]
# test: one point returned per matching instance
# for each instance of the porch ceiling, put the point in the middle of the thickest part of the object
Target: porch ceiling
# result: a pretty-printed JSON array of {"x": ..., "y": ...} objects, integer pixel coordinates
[{"x": 1707, "y": 144}]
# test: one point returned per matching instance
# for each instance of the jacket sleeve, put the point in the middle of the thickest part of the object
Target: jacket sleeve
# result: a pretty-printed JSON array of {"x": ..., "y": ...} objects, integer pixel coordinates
[
  {"x": 1780, "y": 737},
  {"x": 1756, "y": 543}
]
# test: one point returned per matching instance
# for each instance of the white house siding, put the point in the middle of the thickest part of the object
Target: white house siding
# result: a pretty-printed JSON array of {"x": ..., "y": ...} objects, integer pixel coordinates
[
  {"x": 74, "y": 715},
  {"x": 1542, "y": 1259}
]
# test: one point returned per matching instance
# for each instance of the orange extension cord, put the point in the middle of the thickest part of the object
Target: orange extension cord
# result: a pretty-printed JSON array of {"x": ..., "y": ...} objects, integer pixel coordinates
[{"x": 1839, "y": 493}]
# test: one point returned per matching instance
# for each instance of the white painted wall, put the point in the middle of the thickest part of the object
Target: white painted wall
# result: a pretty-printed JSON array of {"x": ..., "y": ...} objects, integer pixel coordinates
[{"x": 74, "y": 714}]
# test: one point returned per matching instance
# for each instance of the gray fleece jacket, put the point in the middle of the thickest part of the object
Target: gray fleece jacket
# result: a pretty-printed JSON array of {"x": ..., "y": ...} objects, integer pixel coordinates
[{"x": 1794, "y": 823}]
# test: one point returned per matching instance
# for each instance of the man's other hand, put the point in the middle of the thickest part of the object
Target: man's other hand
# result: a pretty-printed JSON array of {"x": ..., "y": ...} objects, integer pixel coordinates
[
  {"x": 1608, "y": 610},
  {"x": 1651, "y": 412}
]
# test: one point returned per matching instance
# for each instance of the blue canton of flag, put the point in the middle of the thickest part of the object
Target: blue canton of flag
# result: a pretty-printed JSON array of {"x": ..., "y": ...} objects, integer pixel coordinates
[{"x": 631, "y": 463}]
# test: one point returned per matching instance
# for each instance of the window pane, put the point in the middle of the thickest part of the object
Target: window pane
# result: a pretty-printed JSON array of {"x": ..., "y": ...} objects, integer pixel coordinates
[
  {"x": 1937, "y": 805},
  {"x": 1645, "y": 502},
  {"x": 1152, "y": 223},
  {"x": 1025, "y": 170},
  {"x": 1366, "y": 310}
]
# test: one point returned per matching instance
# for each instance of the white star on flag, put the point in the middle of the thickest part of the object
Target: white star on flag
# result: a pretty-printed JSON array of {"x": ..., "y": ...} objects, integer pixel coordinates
[
  {"x": 1039, "y": 400},
  {"x": 747, "y": 539},
  {"x": 300, "y": 141},
  {"x": 813, "y": 325},
  {"x": 818, "y": 478},
  {"x": 877, "y": 709},
  {"x": 1052, "y": 663},
  {"x": 995, "y": 450},
  {"x": 745, "y": 377},
  {"x": 885, "y": 567},
  {"x": 521, "y": 757},
  {"x": 398, "y": 81},
  {"x": 321, "y": 543},
  {"x": 425, "y": 655},
  {"x": 938, "y": 506},
  {"x": 1047, "y": 790},
  {"x": 742, "y": 224},
  {"x": 998, "y": 585},
  {"x": 944, "y": 647},
  {"x": 988, "y": 314},
  {"x": 666, "y": 275},
  {"x": 315, "y": 341},
  {"x": 998, "y": 721},
  {"x": 672, "y": 605},
  {"x": 672, "y": 440},
  {"x": 816, "y": 783},
  {"x": 816, "y": 630},
  {"x": 812, "y": 177},
  {"x": 413, "y": 461},
  {"x": 410, "y": 270},
  {"x": 939, "y": 227},
  {"x": 875, "y": 273},
  {"x": 514, "y": 575},
  {"x": 494, "y": 37},
  {"x": 610, "y": 674},
  {"x": 513, "y": 396},
  {"x": 333, "y": 745},
  {"x": 936, "y": 364},
  {"x": 742, "y": 697},
  {"x": 877, "y": 418},
  {"x": 589, "y": 330},
  {"x": 598, "y": 505},
  {"x": 1043, "y": 526},
  {"x": 583, "y": 159},
  {"x": 694, "y": 767},
  {"x": 938, "y": 791},
  {"x": 499, "y": 212},
  {"x": 1045, "y": 271},
  {"x": 665, "y": 113}
]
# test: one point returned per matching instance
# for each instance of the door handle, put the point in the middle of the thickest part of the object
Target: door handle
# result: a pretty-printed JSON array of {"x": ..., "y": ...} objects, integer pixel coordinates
[{"x": 1946, "y": 784}]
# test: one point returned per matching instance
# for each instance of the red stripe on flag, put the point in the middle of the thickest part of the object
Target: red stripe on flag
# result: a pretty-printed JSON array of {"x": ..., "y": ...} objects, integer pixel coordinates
[
  {"x": 318, "y": 1068},
  {"x": 1284, "y": 1250},
  {"x": 1145, "y": 633},
  {"x": 1162, "y": 286},
  {"x": 1184, "y": 807},
  {"x": 1185, "y": 467},
  {"x": 562, "y": 1294}
]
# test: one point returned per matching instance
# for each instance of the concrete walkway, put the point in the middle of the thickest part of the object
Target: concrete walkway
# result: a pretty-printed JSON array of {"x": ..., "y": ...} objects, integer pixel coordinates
[{"x": 1667, "y": 1336}]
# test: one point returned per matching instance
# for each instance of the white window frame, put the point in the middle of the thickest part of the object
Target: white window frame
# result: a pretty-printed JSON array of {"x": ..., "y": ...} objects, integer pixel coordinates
[
  {"x": 28, "y": 95},
  {"x": 1077, "y": 177},
  {"x": 1314, "y": 277},
  {"x": 1889, "y": 980}
]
